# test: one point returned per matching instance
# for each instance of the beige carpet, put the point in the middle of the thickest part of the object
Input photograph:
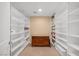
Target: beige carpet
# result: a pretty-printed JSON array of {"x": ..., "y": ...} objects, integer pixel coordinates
[{"x": 39, "y": 51}]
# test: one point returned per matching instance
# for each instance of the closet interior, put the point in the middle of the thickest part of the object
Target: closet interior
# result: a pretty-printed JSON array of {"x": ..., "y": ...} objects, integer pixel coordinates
[{"x": 15, "y": 31}]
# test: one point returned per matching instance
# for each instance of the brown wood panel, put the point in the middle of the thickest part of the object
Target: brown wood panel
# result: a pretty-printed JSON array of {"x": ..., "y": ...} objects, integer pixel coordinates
[{"x": 40, "y": 41}]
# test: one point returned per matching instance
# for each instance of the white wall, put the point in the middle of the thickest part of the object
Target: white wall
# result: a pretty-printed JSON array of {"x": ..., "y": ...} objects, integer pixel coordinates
[
  {"x": 40, "y": 25},
  {"x": 4, "y": 28}
]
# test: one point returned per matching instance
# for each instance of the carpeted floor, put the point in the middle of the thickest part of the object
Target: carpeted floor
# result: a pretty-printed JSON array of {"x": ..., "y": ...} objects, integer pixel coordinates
[{"x": 39, "y": 51}]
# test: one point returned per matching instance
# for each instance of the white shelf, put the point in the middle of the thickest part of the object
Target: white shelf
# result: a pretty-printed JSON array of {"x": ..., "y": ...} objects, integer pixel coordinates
[
  {"x": 53, "y": 38},
  {"x": 60, "y": 50},
  {"x": 27, "y": 37},
  {"x": 62, "y": 33},
  {"x": 61, "y": 38},
  {"x": 64, "y": 22},
  {"x": 74, "y": 35},
  {"x": 70, "y": 54},
  {"x": 27, "y": 31},
  {"x": 64, "y": 46},
  {"x": 21, "y": 49},
  {"x": 74, "y": 21},
  {"x": 65, "y": 26},
  {"x": 64, "y": 13},
  {"x": 17, "y": 39},
  {"x": 17, "y": 25},
  {"x": 74, "y": 46},
  {"x": 52, "y": 43},
  {"x": 15, "y": 19},
  {"x": 16, "y": 47},
  {"x": 18, "y": 52},
  {"x": 17, "y": 33},
  {"x": 73, "y": 11}
]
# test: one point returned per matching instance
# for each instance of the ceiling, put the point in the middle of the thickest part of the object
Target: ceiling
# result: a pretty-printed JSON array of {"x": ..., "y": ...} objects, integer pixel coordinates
[{"x": 31, "y": 8}]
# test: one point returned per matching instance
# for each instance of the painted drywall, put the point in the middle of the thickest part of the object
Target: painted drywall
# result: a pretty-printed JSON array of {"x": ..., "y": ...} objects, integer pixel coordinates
[
  {"x": 40, "y": 25},
  {"x": 4, "y": 28}
]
